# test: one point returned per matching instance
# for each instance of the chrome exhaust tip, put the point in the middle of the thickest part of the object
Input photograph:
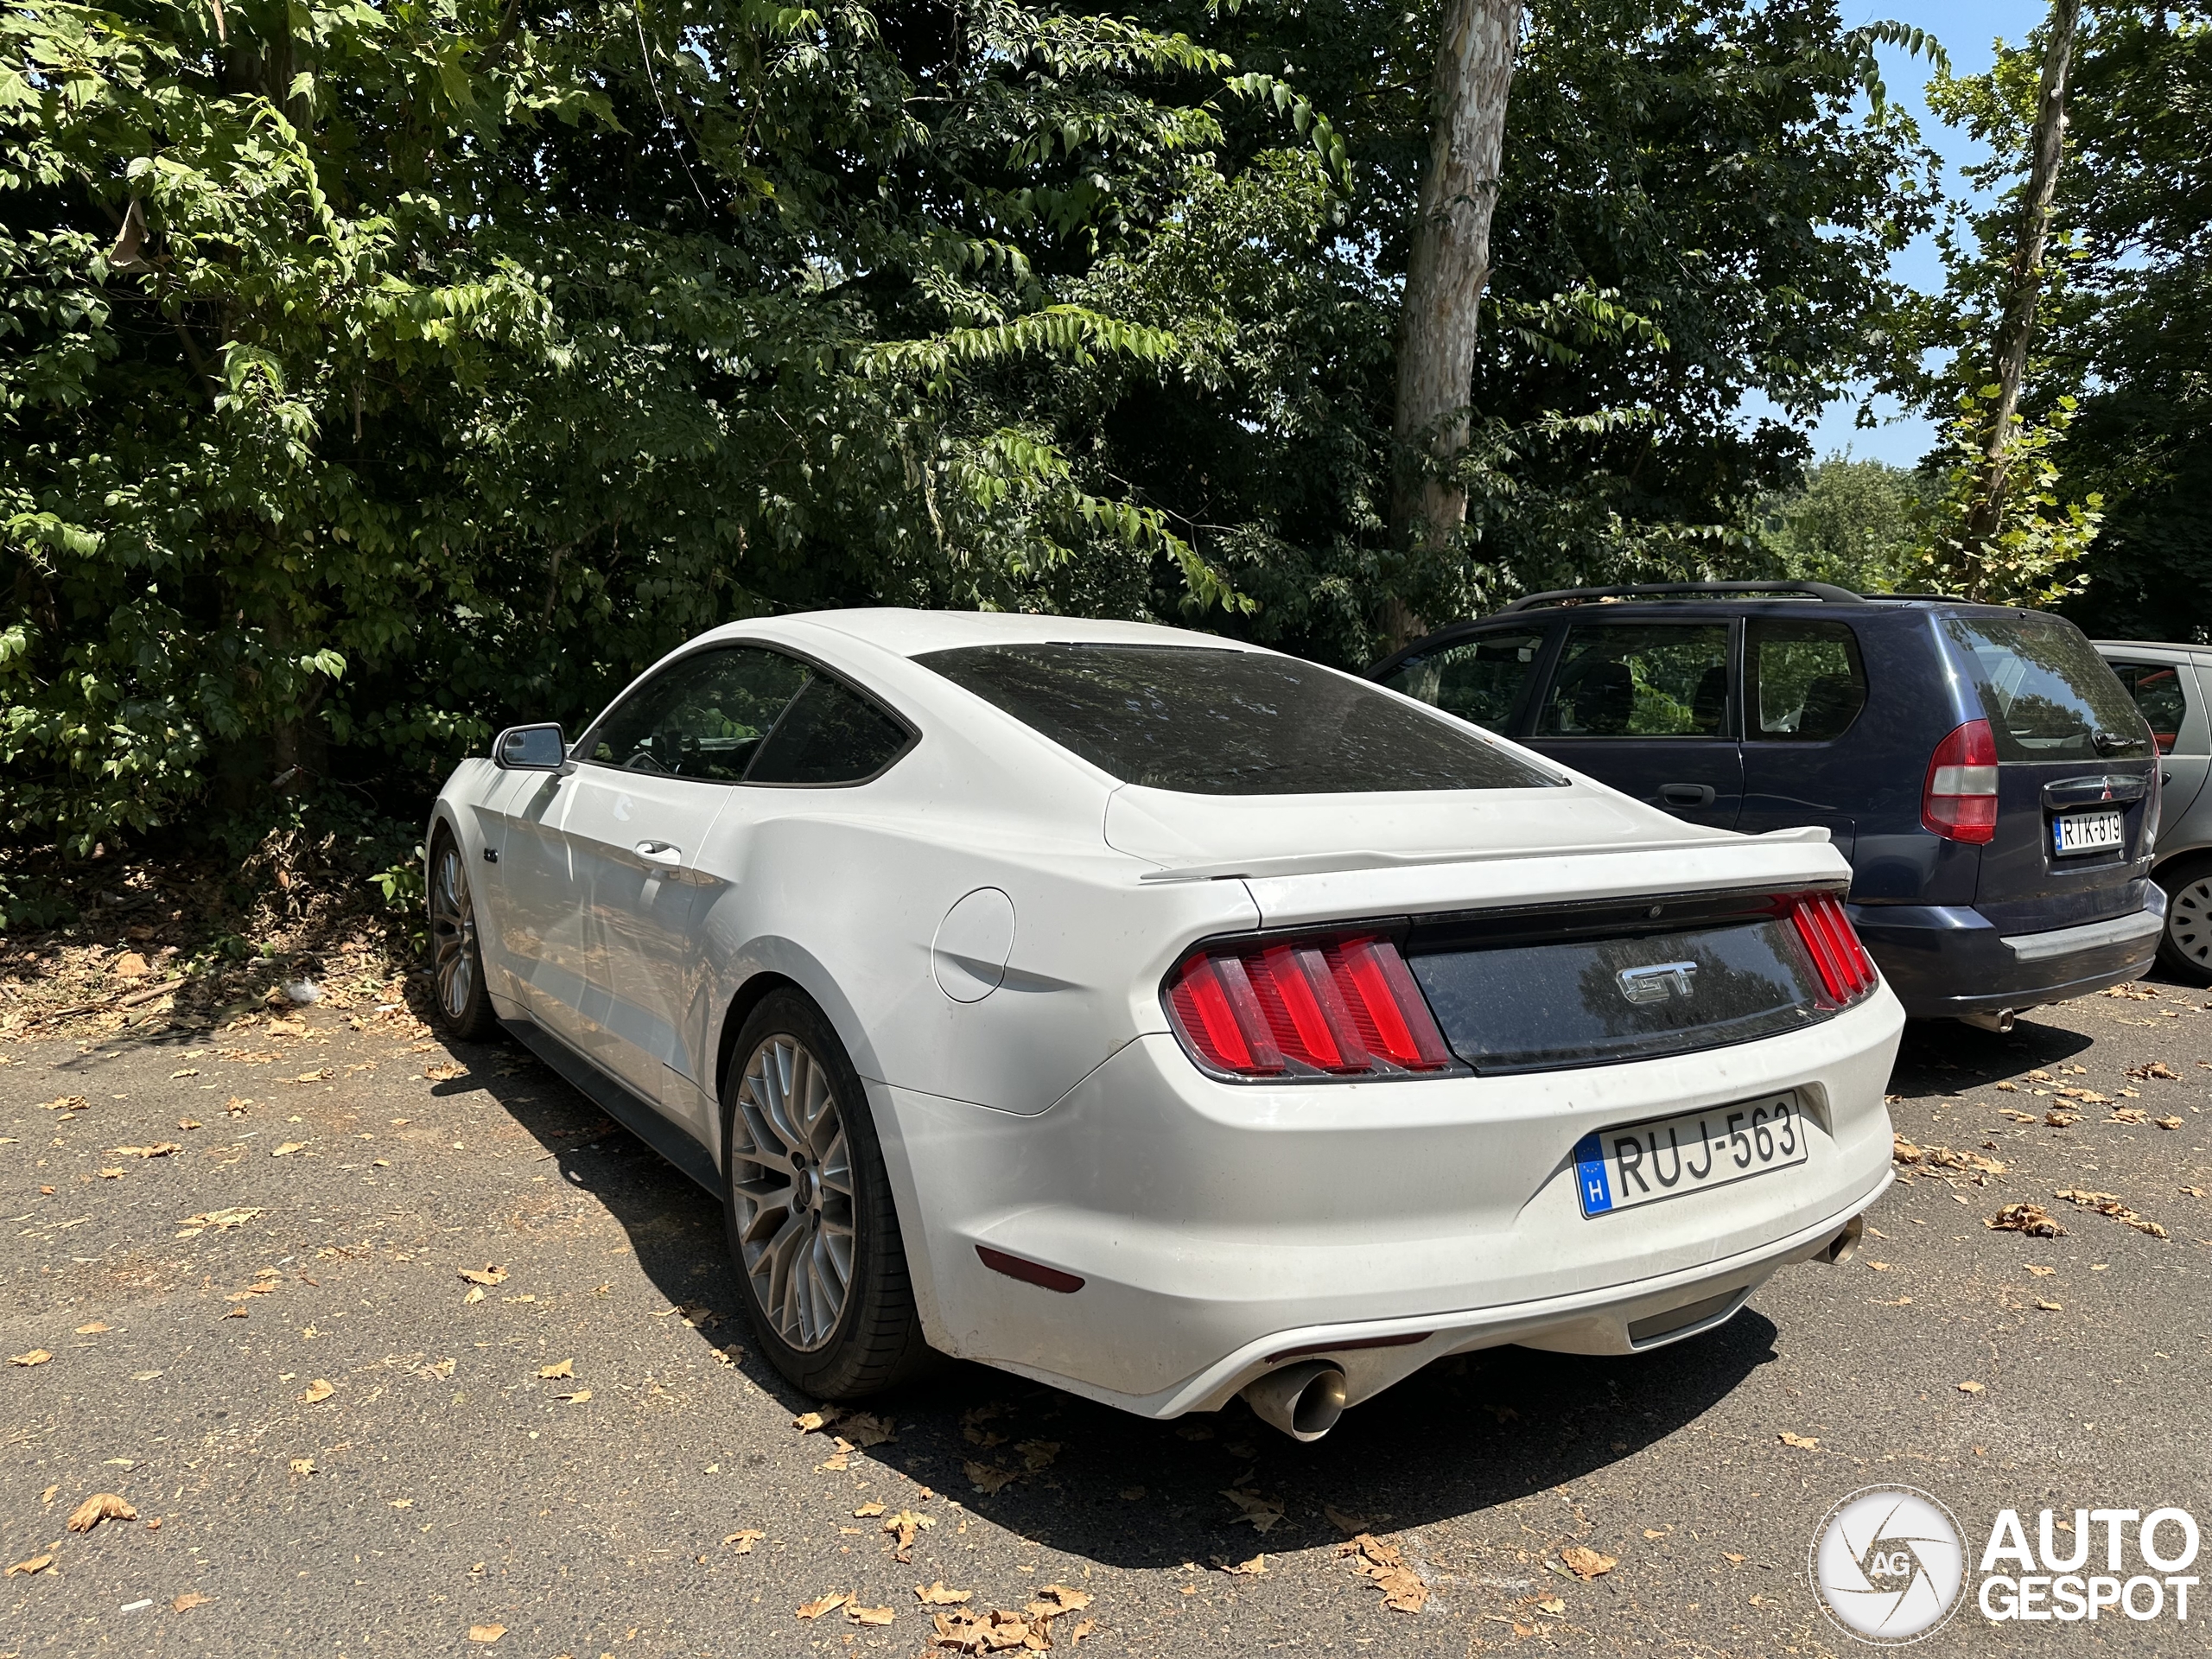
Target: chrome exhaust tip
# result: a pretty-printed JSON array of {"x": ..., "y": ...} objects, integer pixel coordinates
[
  {"x": 1303, "y": 1401},
  {"x": 2001, "y": 1021},
  {"x": 1845, "y": 1244}
]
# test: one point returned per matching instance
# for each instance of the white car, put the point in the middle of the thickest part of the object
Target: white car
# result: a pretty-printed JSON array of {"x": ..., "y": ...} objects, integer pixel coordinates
[{"x": 1163, "y": 1017}]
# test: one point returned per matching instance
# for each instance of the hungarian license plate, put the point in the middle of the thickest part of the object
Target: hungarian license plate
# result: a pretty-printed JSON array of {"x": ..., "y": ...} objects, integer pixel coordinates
[
  {"x": 2085, "y": 832},
  {"x": 1642, "y": 1163}
]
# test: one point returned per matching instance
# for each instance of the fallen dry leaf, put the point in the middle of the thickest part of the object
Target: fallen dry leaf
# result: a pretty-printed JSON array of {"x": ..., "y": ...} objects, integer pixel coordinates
[
  {"x": 745, "y": 1538},
  {"x": 100, "y": 1506},
  {"x": 486, "y": 1634},
  {"x": 1038, "y": 1454},
  {"x": 861, "y": 1615},
  {"x": 829, "y": 1604},
  {"x": 1350, "y": 1525},
  {"x": 159, "y": 1149},
  {"x": 188, "y": 1600},
  {"x": 991, "y": 1632},
  {"x": 1254, "y": 1568},
  {"x": 221, "y": 1220},
  {"x": 2029, "y": 1218},
  {"x": 2129, "y": 1114},
  {"x": 905, "y": 1526},
  {"x": 574, "y": 1399},
  {"x": 111, "y": 1174},
  {"x": 2154, "y": 1069},
  {"x": 1402, "y": 1588},
  {"x": 1972, "y": 1388},
  {"x": 566, "y": 1368},
  {"x": 1084, "y": 1628},
  {"x": 813, "y": 1422},
  {"x": 1262, "y": 1512},
  {"x": 2052, "y": 1308},
  {"x": 2168, "y": 1122},
  {"x": 288, "y": 1148},
  {"x": 841, "y": 1460},
  {"x": 317, "y": 1392},
  {"x": 2110, "y": 1204},
  {"x": 936, "y": 1595},
  {"x": 1586, "y": 1563},
  {"x": 869, "y": 1511},
  {"x": 93, "y": 1329},
  {"x": 865, "y": 1430},
  {"x": 486, "y": 1275},
  {"x": 987, "y": 1478},
  {"x": 1803, "y": 1442},
  {"x": 36, "y": 1357},
  {"x": 303, "y": 1465},
  {"x": 65, "y": 1104},
  {"x": 35, "y": 1565}
]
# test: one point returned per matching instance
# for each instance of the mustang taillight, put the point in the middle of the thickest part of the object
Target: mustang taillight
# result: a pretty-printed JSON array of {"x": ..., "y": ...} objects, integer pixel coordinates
[
  {"x": 1345, "y": 1006},
  {"x": 1959, "y": 799},
  {"x": 1847, "y": 971}
]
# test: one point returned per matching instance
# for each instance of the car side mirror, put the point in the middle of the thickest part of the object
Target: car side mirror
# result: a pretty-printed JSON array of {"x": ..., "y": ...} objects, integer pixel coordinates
[{"x": 530, "y": 748}]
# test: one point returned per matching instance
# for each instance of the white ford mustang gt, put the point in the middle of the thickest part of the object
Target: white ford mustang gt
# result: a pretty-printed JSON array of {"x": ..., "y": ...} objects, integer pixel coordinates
[{"x": 1163, "y": 1017}]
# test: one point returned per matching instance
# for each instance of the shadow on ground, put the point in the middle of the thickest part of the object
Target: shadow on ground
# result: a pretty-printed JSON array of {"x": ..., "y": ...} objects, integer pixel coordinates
[{"x": 1464, "y": 1434}]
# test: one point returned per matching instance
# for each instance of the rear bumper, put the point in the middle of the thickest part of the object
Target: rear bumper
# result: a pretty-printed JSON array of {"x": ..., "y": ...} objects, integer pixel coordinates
[
  {"x": 1217, "y": 1226},
  {"x": 1947, "y": 960}
]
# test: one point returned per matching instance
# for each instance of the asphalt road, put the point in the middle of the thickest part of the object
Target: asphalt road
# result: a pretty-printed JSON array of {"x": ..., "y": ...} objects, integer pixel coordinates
[{"x": 334, "y": 1447}]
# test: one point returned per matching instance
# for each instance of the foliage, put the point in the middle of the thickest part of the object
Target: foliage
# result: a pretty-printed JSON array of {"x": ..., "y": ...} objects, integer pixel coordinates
[
  {"x": 1852, "y": 523},
  {"x": 2029, "y": 561},
  {"x": 2123, "y": 332},
  {"x": 374, "y": 377}
]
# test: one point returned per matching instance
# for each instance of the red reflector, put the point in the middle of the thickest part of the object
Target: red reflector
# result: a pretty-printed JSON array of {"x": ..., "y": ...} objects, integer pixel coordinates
[
  {"x": 1959, "y": 799},
  {"x": 1846, "y": 972},
  {"x": 1031, "y": 1273},
  {"x": 1347, "y": 1005}
]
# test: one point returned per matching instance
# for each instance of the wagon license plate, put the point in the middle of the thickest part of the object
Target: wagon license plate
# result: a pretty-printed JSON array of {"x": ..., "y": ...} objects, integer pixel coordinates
[
  {"x": 2085, "y": 832},
  {"x": 1642, "y": 1163}
]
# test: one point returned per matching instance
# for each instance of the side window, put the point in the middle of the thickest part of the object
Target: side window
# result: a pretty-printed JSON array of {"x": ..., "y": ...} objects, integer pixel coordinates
[
  {"x": 1480, "y": 680},
  {"x": 829, "y": 735},
  {"x": 1639, "y": 679},
  {"x": 2156, "y": 690},
  {"x": 1804, "y": 680},
  {"x": 703, "y": 716}
]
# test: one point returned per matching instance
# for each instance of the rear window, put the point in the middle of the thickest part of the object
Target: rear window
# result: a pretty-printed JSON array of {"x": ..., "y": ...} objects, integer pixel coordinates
[
  {"x": 1209, "y": 721},
  {"x": 2047, "y": 693}
]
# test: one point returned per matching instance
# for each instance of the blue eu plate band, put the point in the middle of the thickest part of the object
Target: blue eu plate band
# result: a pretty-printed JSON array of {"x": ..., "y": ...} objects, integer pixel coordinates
[{"x": 1596, "y": 1193}]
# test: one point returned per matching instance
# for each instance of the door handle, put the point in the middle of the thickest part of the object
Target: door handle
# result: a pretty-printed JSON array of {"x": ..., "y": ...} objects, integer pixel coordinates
[
  {"x": 1686, "y": 794},
  {"x": 660, "y": 852}
]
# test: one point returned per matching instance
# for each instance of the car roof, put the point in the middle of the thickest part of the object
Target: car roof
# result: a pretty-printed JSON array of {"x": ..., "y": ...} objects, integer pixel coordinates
[
  {"x": 910, "y": 632},
  {"x": 2152, "y": 644}
]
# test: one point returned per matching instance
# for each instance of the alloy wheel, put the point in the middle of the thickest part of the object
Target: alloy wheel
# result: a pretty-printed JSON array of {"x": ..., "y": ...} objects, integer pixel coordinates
[
  {"x": 453, "y": 932},
  {"x": 2189, "y": 921},
  {"x": 791, "y": 1180}
]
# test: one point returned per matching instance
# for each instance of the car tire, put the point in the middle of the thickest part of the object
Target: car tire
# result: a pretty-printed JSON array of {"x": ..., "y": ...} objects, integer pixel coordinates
[
  {"x": 813, "y": 1231},
  {"x": 2185, "y": 946},
  {"x": 457, "y": 992}
]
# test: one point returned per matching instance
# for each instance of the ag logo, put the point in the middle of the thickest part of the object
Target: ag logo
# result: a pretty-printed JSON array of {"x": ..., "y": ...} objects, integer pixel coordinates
[{"x": 1888, "y": 1565}]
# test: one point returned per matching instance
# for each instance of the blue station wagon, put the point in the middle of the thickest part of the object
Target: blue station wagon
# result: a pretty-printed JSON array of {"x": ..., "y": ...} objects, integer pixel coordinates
[{"x": 1992, "y": 783}]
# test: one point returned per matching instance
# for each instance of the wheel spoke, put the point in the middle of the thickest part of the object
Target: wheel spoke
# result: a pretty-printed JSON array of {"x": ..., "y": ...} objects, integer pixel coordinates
[{"x": 792, "y": 1191}]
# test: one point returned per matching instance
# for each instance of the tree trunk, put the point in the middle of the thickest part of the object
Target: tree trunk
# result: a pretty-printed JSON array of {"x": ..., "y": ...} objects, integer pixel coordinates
[
  {"x": 2023, "y": 280},
  {"x": 1445, "y": 278}
]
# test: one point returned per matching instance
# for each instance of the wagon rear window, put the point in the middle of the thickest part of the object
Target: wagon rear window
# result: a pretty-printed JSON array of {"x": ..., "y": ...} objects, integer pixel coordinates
[{"x": 1210, "y": 721}]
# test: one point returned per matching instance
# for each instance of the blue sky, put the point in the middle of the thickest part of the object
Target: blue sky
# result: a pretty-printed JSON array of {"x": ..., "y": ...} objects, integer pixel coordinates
[{"x": 1967, "y": 29}]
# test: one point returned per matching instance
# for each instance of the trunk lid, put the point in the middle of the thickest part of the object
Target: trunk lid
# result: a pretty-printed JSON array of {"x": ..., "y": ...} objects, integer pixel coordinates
[{"x": 2070, "y": 744}]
